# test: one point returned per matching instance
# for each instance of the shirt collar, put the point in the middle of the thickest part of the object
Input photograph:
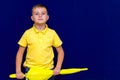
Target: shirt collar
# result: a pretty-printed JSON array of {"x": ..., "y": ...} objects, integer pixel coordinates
[{"x": 43, "y": 31}]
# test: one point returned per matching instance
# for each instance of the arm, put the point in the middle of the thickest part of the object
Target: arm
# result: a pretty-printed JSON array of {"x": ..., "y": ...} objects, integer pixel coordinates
[
  {"x": 60, "y": 58},
  {"x": 19, "y": 57}
]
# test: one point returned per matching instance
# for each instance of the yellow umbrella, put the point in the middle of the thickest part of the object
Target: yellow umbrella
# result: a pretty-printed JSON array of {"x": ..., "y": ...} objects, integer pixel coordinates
[
  {"x": 45, "y": 74},
  {"x": 72, "y": 70}
]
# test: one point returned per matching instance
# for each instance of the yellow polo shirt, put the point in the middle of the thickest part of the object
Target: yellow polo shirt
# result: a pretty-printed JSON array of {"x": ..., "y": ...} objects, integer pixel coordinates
[{"x": 39, "y": 47}]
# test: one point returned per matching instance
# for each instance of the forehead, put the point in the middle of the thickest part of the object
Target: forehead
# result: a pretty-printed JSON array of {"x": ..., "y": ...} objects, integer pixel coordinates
[{"x": 39, "y": 9}]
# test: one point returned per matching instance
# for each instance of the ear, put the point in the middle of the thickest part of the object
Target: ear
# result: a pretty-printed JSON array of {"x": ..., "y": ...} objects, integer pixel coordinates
[
  {"x": 32, "y": 18},
  {"x": 47, "y": 17}
]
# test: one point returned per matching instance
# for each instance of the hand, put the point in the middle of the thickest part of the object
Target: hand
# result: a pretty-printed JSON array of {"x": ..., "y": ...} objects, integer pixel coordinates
[
  {"x": 56, "y": 71},
  {"x": 19, "y": 75}
]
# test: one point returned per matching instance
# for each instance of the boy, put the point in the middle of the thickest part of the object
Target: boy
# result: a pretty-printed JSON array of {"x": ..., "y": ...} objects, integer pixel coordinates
[{"x": 39, "y": 41}]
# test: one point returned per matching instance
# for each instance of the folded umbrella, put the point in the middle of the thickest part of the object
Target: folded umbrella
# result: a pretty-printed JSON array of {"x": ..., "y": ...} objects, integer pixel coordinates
[{"x": 45, "y": 74}]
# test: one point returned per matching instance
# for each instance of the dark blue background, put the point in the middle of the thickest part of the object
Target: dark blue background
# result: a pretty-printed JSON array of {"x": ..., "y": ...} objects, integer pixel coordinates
[{"x": 90, "y": 30}]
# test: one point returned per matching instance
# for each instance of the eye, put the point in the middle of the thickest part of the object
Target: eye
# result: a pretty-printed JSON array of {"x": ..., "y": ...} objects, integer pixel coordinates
[
  {"x": 36, "y": 13},
  {"x": 43, "y": 13}
]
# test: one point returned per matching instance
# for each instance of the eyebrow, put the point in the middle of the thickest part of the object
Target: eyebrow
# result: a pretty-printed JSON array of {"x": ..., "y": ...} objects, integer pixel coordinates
[{"x": 41, "y": 12}]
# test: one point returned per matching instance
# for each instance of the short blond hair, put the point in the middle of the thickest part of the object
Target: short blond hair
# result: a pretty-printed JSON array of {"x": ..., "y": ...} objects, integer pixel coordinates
[{"x": 39, "y": 5}]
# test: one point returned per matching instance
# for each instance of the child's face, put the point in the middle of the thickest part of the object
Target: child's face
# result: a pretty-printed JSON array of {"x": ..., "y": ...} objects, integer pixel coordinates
[{"x": 39, "y": 15}]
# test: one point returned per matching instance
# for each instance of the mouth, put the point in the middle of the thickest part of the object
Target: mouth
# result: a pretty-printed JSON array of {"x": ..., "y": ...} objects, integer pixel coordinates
[{"x": 40, "y": 19}]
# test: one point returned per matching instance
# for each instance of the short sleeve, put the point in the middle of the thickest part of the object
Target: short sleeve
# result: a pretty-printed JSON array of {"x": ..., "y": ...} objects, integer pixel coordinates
[
  {"x": 56, "y": 40},
  {"x": 23, "y": 40}
]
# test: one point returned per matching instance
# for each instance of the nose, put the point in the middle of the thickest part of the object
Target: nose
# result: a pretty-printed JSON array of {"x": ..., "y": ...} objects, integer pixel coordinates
[{"x": 40, "y": 15}]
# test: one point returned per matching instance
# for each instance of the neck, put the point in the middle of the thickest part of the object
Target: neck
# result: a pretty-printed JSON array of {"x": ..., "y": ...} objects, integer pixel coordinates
[{"x": 40, "y": 26}]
